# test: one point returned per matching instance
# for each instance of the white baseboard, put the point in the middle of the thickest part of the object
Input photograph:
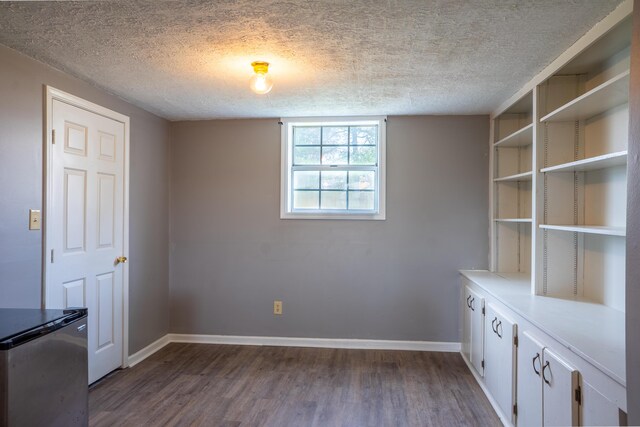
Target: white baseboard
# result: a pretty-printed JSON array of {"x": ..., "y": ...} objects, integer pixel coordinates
[
  {"x": 452, "y": 347},
  {"x": 506, "y": 421},
  {"x": 318, "y": 342},
  {"x": 138, "y": 357}
]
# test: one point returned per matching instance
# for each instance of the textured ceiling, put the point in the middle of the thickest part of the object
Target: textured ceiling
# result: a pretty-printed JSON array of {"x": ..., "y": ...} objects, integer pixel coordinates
[{"x": 191, "y": 59}]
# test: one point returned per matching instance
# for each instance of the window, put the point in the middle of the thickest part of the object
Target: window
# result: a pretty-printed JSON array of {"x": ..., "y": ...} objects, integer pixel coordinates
[{"x": 333, "y": 168}]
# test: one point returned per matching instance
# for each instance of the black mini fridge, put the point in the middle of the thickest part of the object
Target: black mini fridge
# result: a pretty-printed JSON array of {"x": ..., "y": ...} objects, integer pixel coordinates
[{"x": 43, "y": 367}]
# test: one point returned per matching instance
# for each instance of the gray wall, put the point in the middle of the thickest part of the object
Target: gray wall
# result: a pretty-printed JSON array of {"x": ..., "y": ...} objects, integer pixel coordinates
[
  {"x": 21, "y": 134},
  {"x": 395, "y": 279},
  {"x": 633, "y": 231}
]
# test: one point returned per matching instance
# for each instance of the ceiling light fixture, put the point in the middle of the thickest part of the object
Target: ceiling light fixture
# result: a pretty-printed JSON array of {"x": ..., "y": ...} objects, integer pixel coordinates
[{"x": 260, "y": 83}]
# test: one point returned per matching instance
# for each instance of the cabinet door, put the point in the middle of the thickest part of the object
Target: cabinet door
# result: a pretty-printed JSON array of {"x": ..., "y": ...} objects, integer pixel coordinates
[
  {"x": 560, "y": 382},
  {"x": 499, "y": 359},
  {"x": 529, "y": 384},
  {"x": 597, "y": 410},
  {"x": 476, "y": 303},
  {"x": 466, "y": 323}
]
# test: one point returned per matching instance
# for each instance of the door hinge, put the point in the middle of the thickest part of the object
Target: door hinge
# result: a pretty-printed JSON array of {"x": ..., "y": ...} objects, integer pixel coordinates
[
  {"x": 53, "y": 136},
  {"x": 51, "y": 256},
  {"x": 483, "y": 310},
  {"x": 515, "y": 409},
  {"x": 579, "y": 395},
  {"x": 482, "y": 364},
  {"x": 515, "y": 340}
]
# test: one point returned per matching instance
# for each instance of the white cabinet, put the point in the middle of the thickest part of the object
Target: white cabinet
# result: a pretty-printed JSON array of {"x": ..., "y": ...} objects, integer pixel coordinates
[
  {"x": 473, "y": 329},
  {"x": 500, "y": 358},
  {"x": 560, "y": 392},
  {"x": 597, "y": 410},
  {"x": 548, "y": 387},
  {"x": 529, "y": 390}
]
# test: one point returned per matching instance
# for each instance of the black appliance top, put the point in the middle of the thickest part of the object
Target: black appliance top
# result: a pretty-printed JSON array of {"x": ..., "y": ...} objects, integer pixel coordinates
[{"x": 19, "y": 325}]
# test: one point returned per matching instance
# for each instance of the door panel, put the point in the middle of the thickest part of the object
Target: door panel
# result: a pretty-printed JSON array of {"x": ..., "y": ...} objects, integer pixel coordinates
[
  {"x": 529, "y": 381},
  {"x": 499, "y": 359},
  {"x": 75, "y": 185},
  {"x": 87, "y": 227},
  {"x": 560, "y": 382}
]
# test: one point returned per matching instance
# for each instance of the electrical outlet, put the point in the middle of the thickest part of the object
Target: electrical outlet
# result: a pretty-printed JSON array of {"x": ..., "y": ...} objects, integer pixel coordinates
[
  {"x": 34, "y": 219},
  {"x": 277, "y": 307}
]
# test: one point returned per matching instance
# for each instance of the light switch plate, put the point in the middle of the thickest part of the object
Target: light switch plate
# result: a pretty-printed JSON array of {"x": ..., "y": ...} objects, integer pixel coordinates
[{"x": 34, "y": 219}]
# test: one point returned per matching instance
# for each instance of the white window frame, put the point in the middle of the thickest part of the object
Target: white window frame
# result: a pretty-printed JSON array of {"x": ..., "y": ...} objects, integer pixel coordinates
[{"x": 286, "y": 208}]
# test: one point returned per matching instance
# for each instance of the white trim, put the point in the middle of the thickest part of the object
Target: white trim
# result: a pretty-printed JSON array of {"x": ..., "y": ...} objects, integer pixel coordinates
[
  {"x": 285, "y": 167},
  {"x": 503, "y": 418},
  {"x": 139, "y": 356},
  {"x": 445, "y": 347},
  {"x": 318, "y": 342},
  {"x": 51, "y": 94},
  {"x": 618, "y": 14}
]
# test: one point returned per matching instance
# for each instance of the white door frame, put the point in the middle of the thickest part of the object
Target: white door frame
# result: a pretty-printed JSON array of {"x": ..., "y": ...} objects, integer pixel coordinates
[{"x": 51, "y": 94}]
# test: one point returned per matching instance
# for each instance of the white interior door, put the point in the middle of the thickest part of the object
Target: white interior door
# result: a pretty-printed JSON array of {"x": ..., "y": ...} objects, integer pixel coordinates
[{"x": 85, "y": 227}]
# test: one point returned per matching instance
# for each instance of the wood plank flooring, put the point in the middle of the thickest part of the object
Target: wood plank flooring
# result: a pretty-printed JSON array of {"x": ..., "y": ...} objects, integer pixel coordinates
[{"x": 226, "y": 385}]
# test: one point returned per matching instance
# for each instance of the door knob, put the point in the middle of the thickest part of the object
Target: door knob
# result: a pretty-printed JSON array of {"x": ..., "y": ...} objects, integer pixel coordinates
[{"x": 121, "y": 259}]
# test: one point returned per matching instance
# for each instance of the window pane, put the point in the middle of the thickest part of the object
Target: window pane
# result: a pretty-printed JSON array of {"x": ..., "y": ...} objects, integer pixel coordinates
[
  {"x": 364, "y": 135},
  {"x": 306, "y": 199},
  {"x": 303, "y": 135},
  {"x": 334, "y": 200},
  {"x": 362, "y": 180},
  {"x": 363, "y": 155},
  {"x": 303, "y": 180},
  {"x": 334, "y": 135},
  {"x": 361, "y": 200},
  {"x": 334, "y": 156},
  {"x": 306, "y": 155},
  {"x": 334, "y": 180}
]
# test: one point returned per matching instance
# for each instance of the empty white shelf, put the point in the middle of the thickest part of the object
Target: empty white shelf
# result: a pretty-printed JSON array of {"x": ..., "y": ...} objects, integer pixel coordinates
[
  {"x": 525, "y": 176},
  {"x": 524, "y": 220},
  {"x": 592, "y": 163},
  {"x": 519, "y": 138},
  {"x": 588, "y": 229},
  {"x": 609, "y": 94}
]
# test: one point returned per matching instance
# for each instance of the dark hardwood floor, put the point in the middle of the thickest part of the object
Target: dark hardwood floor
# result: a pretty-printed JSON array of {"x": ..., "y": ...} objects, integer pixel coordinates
[{"x": 226, "y": 385}]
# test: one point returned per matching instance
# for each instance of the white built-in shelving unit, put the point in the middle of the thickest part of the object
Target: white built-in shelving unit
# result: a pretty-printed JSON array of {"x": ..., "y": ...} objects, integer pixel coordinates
[
  {"x": 558, "y": 185},
  {"x": 512, "y": 165},
  {"x": 581, "y": 149},
  {"x": 558, "y": 193}
]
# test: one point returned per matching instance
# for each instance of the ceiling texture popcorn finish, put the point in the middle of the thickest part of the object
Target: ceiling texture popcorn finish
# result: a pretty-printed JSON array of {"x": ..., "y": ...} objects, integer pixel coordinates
[{"x": 192, "y": 59}]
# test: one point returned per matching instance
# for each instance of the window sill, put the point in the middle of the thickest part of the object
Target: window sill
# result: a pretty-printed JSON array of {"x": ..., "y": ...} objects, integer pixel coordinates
[{"x": 329, "y": 216}]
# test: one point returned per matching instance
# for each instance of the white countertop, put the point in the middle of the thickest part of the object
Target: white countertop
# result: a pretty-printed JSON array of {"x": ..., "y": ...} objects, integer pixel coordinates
[{"x": 593, "y": 331}]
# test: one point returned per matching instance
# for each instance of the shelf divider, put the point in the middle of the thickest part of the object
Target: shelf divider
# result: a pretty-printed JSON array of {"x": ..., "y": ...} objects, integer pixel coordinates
[
  {"x": 524, "y": 176},
  {"x": 520, "y": 138},
  {"x": 588, "y": 229},
  {"x": 592, "y": 163},
  {"x": 608, "y": 95}
]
